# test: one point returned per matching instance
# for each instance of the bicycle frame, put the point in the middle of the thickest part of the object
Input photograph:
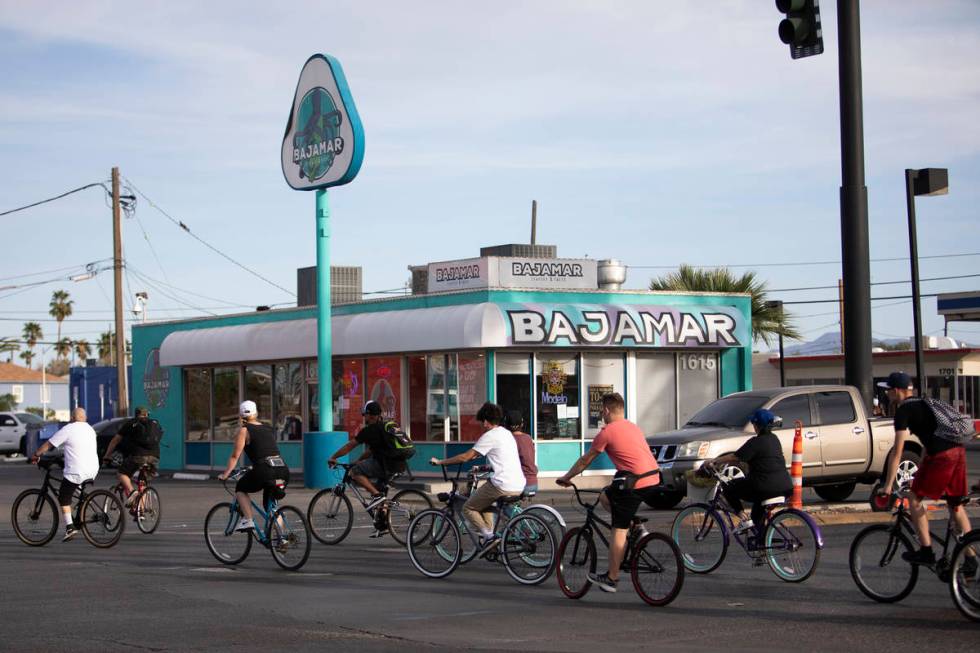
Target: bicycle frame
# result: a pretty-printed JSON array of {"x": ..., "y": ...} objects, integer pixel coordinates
[
  {"x": 903, "y": 522},
  {"x": 592, "y": 520},
  {"x": 47, "y": 487}
]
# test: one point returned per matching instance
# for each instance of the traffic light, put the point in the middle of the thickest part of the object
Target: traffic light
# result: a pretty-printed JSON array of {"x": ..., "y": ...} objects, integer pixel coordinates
[{"x": 801, "y": 27}]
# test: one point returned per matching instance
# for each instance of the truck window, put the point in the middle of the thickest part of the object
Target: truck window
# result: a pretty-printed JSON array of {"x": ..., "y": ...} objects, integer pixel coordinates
[
  {"x": 7, "y": 420},
  {"x": 731, "y": 412},
  {"x": 794, "y": 408},
  {"x": 835, "y": 407}
]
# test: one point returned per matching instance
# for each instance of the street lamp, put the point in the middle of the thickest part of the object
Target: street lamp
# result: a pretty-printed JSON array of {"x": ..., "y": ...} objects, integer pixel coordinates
[
  {"x": 927, "y": 181},
  {"x": 778, "y": 305}
]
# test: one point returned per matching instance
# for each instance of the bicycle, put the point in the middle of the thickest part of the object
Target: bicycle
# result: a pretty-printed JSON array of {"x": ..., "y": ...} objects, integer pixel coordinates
[
  {"x": 791, "y": 541},
  {"x": 145, "y": 507},
  {"x": 880, "y": 572},
  {"x": 652, "y": 559},
  {"x": 331, "y": 515},
  {"x": 284, "y": 532},
  {"x": 35, "y": 513},
  {"x": 526, "y": 545}
]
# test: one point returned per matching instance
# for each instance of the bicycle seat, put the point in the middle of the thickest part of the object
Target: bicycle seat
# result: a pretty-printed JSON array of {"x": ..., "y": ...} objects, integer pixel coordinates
[
  {"x": 504, "y": 501},
  {"x": 87, "y": 483},
  {"x": 955, "y": 500},
  {"x": 773, "y": 501}
]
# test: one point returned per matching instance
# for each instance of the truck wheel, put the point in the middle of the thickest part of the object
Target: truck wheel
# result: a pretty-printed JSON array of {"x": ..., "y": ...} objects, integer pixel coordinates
[
  {"x": 836, "y": 492},
  {"x": 907, "y": 467},
  {"x": 664, "y": 500}
]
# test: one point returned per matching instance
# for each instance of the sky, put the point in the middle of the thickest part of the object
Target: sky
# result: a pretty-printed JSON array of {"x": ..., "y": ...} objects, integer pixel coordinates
[{"x": 657, "y": 133}]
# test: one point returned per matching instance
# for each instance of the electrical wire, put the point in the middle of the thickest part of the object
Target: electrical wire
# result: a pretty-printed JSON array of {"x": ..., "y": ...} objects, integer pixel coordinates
[
  {"x": 57, "y": 197},
  {"x": 876, "y": 283},
  {"x": 795, "y": 264}
]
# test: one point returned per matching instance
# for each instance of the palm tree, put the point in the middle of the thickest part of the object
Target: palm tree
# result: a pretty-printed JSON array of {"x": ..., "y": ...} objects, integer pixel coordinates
[
  {"x": 32, "y": 333},
  {"x": 767, "y": 321},
  {"x": 63, "y": 347},
  {"x": 83, "y": 350},
  {"x": 9, "y": 346},
  {"x": 60, "y": 308},
  {"x": 106, "y": 346},
  {"x": 28, "y": 357}
]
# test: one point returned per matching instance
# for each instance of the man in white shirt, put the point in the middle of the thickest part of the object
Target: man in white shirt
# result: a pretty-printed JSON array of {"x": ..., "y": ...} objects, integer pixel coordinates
[
  {"x": 81, "y": 462},
  {"x": 500, "y": 449}
]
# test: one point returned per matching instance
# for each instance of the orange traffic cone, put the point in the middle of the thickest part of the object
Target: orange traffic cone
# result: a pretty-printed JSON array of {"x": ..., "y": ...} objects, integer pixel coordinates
[{"x": 796, "y": 467}]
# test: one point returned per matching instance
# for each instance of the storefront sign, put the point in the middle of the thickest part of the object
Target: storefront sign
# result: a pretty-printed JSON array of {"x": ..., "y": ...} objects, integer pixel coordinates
[
  {"x": 584, "y": 325},
  {"x": 457, "y": 275},
  {"x": 506, "y": 272},
  {"x": 596, "y": 393},
  {"x": 156, "y": 380}
]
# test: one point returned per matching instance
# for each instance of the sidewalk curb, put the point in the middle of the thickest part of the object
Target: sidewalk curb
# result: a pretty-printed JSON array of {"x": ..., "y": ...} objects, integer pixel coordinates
[{"x": 187, "y": 476}]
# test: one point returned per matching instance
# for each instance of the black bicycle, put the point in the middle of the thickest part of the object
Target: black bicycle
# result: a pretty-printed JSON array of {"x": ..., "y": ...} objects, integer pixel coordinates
[
  {"x": 331, "y": 515},
  {"x": 35, "y": 514},
  {"x": 652, "y": 559}
]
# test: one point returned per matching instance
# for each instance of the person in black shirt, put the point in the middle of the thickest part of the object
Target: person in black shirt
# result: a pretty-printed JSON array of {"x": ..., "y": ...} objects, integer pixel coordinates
[
  {"x": 941, "y": 472},
  {"x": 767, "y": 476},
  {"x": 139, "y": 441},
  {"x": 258, "y": 442}
]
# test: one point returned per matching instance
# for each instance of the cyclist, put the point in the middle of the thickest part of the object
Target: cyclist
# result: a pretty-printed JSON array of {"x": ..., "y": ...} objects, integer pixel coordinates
[
  {"x": 514, "y": 422},
  {"x": 767, "y": 476},
  {"x": 139, "y": 439},
  {"x": 942, "y": 471},
  {"x": 258, "y": 441},
  {"x": 375, "y": 466},
  {"x": 636, "y": 475},
  {"x": 500, "y": 449},
  {"x": 81, "y": 461}
]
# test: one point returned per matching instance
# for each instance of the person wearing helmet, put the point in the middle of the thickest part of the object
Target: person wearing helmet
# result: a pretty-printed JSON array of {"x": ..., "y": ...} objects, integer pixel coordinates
[
  {"x": 767, "y": 476},
  {"x": 258, "y": 442}
]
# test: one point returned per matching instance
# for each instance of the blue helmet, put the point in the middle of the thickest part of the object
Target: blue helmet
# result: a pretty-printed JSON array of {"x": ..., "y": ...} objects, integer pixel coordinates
[{"x": 762, "y": 417}]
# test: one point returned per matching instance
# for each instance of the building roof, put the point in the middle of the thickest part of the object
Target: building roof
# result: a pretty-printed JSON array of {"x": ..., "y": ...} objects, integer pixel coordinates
[{"x": 13, "y": 373}]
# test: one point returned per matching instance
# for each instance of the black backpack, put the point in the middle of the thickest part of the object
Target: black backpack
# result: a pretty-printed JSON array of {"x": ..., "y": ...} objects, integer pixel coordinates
[
  {"x": 951, "y": 424},
  {"x": 146, "y": 436}
]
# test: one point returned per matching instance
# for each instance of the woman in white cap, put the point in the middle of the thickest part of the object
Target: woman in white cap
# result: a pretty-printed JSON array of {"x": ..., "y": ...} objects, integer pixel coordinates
[{"x": 258, "y": 441}]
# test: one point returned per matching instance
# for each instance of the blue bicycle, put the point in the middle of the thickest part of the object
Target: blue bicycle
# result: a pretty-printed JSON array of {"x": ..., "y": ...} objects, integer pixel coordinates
[{"x": 284, "y": 532}]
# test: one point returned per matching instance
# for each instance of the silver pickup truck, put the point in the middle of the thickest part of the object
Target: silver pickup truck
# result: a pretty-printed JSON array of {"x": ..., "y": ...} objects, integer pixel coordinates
[{"x": 841, "y": 445}]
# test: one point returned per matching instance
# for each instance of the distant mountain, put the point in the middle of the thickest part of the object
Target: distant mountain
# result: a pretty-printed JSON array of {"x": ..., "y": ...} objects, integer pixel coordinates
[{"x": 829, "y": 343}]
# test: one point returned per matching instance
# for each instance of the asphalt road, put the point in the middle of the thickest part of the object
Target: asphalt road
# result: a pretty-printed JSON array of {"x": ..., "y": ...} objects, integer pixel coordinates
[{"x": 164, "y": 592}]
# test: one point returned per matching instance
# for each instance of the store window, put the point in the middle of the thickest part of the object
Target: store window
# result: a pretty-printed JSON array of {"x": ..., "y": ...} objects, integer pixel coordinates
[
  {"x": 384, "y": 385},
  {"x": 472, "y": 375},
  {"x": 514, "y": 383},
  {"x": 258, "y": 388},
  {"x": 602, "y": 374},
  {"x": 312, "y": 395},
  {"x": 197, "y": 386},
  {"x": 348, "y": 394},
  {"x": 288, "y": 396},
  {"x": 417, "y": 398},
  {"x": 224, "y": 419},
  {"x": 442, "y": 411},
  {"x": 697, "y": 383},
  {"x": 656, "y": 392},
  {"x": 557, "y": 396}
]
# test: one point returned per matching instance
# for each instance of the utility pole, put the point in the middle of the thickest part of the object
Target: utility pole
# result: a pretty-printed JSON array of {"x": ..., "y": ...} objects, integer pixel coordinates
[
  {"x": 122, "y": 406},
  {"x": 534, "y": 221}
]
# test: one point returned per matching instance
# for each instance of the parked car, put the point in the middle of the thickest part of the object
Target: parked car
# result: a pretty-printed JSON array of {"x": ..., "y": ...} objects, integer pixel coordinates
[
  {"x": 106, "y": 430},
  {"x": 13, "y": 427},
  {"x": 842, "y": 445}
]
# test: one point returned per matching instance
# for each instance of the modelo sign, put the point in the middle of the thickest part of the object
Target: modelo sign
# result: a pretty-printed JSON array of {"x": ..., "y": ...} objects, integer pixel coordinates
[{"x": 506, "y": 272}]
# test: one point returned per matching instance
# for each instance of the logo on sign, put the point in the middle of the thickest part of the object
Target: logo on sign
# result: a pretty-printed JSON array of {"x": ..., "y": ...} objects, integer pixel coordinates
[
  {"x": 538, "y": 269},
  {"x": 156, "y": 380},
  {"x": 319, "y": 141}
]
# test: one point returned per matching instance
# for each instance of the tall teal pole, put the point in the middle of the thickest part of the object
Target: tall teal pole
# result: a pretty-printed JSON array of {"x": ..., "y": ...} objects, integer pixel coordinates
[{"x": 324, "y": 350}]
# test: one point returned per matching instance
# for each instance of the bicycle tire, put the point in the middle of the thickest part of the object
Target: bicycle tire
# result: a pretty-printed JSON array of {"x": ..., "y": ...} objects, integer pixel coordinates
[
  {"x": 528, "y": 549},
  {"x": 657, "y": 570},
  {"x": 330, "y": 516},
  {"x": 549, "y": 518},
  {"x": 228, "y": 546},
  {"x": 876, "y": 564},
  {"x": 148, "y": 510},
  {"x": 432, "y": 538},
  {"x": 792, "y": 546},
  {"x": 964, "y": 587},
  {"x": 102, "y": 519},
  {"x": 288, "y": 533},
  {"x": 576, "y": 560},
  {"x": 40, "y": 523},
  {"x": 701, "y": 536},
  {"x": 402, "y": 509}
]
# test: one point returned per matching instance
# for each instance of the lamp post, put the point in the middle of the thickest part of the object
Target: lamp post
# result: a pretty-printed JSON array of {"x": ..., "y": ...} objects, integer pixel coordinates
[
  {"x": 778, "y": 305},
  {"x": 927, "y": 181}
]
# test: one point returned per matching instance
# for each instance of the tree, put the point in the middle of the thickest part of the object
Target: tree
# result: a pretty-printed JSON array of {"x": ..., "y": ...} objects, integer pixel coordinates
[
  {"x": 767, "y": 322},
  {"x": 27, "y": 356},
  {"x": 63, "y": 347},
  {"x": 8, "y": 402},
  {"x": 106, "y": 347},
  {"x": 83, "y": 350},
  {"x": 60, "y": 309},
  {"x": 32, "y": 333},
  {"x": 9, "y": 346}
]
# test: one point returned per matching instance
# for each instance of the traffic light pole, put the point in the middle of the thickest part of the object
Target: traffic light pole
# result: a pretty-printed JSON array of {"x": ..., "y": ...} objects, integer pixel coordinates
[{"x": 854, "y": 205}]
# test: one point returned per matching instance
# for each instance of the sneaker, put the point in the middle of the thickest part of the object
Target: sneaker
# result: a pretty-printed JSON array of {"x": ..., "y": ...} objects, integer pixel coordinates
[
  {"x": 131, "y": 498},
  {"x": 743, "y": 526},
  {"x": 70, "y": 532},
  {"x": 378, "y": 532},
  {"x": 244, "y": 525},
  {"x": 488, "y": 544},
  {"x": 605, "y": 583},
  {"x": 920, "y": 557},
  {"x": 376, "y": 500}
]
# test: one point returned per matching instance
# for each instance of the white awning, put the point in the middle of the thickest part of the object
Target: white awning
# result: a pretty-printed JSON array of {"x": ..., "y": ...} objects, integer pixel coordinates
[{"x": 472, "y": 326}]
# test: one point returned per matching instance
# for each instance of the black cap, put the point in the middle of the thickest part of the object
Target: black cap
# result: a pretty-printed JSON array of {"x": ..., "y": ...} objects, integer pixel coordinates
[
  {"x": 897, "y": 380},
  {"x": 371, "y": 408}
]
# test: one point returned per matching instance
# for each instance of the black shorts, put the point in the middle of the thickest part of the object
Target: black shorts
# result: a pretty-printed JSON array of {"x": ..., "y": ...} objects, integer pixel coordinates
[
  {"x": 131, "y": 464},
  {"x": 262, "y": 478},
  {"x": 66, "y": 491},
  {"x": 623, "y": 504}
]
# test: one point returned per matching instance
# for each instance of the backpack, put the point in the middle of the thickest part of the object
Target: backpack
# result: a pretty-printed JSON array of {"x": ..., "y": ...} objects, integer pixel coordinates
[
  {"x": 951, "y": 424},
  {"x": 400, "y": 446},
  {"x": 147, "y": 436}
]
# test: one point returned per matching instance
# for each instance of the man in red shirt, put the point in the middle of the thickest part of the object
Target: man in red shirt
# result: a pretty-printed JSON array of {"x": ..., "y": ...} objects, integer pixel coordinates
[{"x": 623, "y": 442}]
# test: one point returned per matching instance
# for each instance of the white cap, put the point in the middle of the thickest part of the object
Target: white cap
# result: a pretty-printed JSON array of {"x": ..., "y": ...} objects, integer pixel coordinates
[{"x": 248, "y": 409}]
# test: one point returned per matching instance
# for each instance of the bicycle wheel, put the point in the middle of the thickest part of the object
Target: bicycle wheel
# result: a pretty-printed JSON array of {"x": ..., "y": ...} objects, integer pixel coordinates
[
  {"x": 34, "y": 517},
  {"x": 549, "y": 518},
  {"x": 330, "y": 516},
  {"x": 289, "y": 538},
  {"x": 657, "y": 570},
  {"x": 792, "y": 546},
  {"x": 964, "y": 584},
  {"x": 226, "y": 544},
  {"x": 529, "y": 549},
  {"x": 102, "y": 519},
  {"x": 148, "y": 510},
  {"x": 700, "y": 534},
  {"x": 433, "y": 544},
  {"x": 576, "y": 560},
  {"x": 876, "y": 563},
  {"x": 402, "y": 509}
]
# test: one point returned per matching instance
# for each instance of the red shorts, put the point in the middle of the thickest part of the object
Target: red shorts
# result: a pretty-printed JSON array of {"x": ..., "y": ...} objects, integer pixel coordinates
[{"x": 944, "y": 473}]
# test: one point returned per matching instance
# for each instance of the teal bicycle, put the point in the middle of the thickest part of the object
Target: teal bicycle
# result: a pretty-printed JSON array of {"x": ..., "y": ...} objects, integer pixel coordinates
[{"x": 284, "y": 532}]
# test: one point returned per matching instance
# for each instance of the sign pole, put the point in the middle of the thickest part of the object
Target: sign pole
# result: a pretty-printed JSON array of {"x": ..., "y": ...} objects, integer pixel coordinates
[{"x": 324, "y": 348}]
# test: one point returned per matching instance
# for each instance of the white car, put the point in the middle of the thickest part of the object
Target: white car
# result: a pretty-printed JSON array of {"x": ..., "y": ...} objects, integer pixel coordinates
[{"x": 13, "y": 426}]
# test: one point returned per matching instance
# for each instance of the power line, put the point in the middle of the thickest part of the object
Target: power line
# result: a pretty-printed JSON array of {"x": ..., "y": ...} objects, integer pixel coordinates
[
  {"x": 57, "y": 197},
  {"x": 877, "y": 283},
  {"x": 874, "y": 299},
  {"x": 795, "y": 264}
]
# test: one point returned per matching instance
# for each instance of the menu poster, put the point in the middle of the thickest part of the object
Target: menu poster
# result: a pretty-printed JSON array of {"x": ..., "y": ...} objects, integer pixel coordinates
[
  {"x": 596, "y": 393},
  {"x": 384, "y": 385},
  {"x": 351, "y": 395},
  {"x": 472, "y": 395}
]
